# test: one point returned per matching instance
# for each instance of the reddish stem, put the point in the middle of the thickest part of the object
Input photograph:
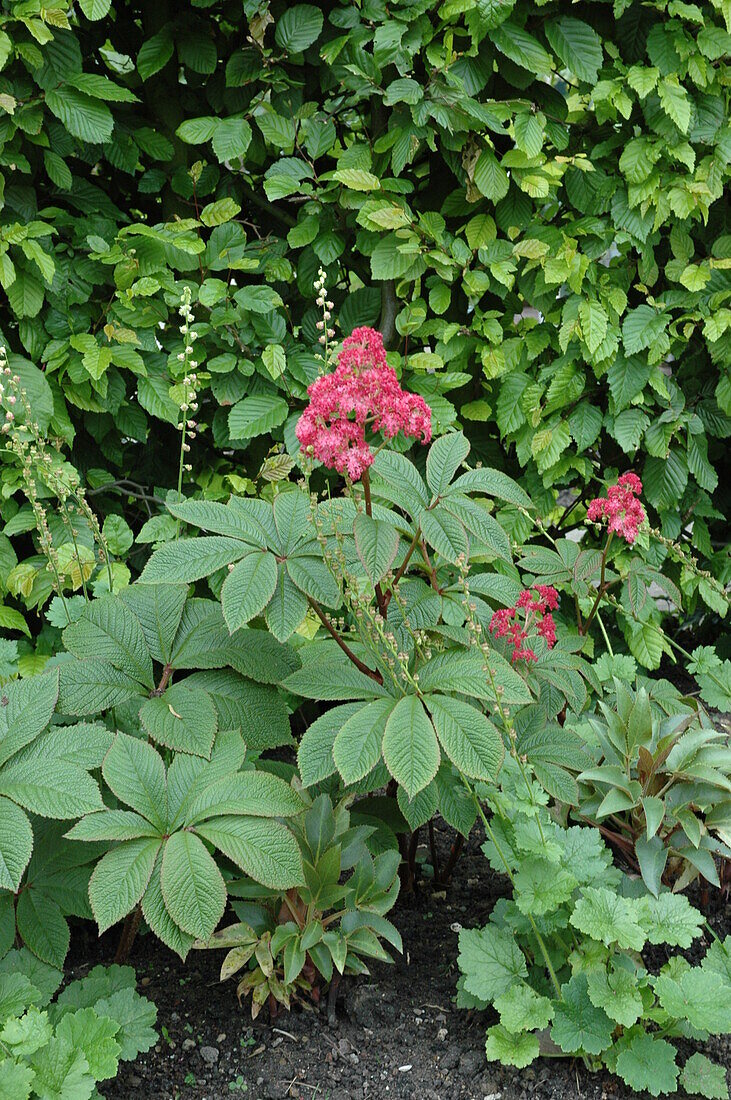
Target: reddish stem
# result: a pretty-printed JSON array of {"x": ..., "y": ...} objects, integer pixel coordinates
[{"x": 343, "y": 645}]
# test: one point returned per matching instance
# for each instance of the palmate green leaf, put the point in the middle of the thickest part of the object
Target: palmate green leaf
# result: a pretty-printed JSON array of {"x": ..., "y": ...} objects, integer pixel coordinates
[
  {"x": 264, "y": 850},
  {"x": 410, "y": 746},
  {"x": 16, "y": 844},
  {"x": 702, "y": 1077},
  {"x": 579, "y": 47},
  {"x": 521, "y": 1008},
  {"x": 16, "y": 1079},
  {"x": 609, "y": 918},
  {"x": 248, "y": 588},
  {"x": 511, "y": 1049},
  {"x": 190, "y": 559},
  {"x": 541, "y": 887},
  {"x": 648, "y": 1063},
  {"x": 120, "y": 879},
  {"x": 700, "y": 996},
  {"x": 192, "y": 885},
  {"x": 94, "y": 1036},
  {"x": 135, "y": 1016},
  {"x": 109, "y": 630},
  {"x": 357, "y": 747},
  {"x": 376, "y": 543},
  {"x": 61, "y": 1071},
  {"x": 469, "y": 739},
  {"x": 669, "y": 918},
  {"x": 490, "y": 960},
  {"x": 577, "y": 1024},
  {"x": 182, "y": 718},
  {"x": 616, "y": 992}
]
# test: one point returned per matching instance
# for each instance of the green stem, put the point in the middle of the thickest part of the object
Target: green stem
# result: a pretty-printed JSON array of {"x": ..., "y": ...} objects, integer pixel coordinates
[
  {"x": 605, "y": 635},
  {"x": 70, "y": 527},
  {"x": 537, "y": 934}
]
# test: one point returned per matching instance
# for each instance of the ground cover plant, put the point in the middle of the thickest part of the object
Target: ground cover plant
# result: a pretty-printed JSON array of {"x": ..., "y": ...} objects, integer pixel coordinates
[{"x": 363, "y": 403}]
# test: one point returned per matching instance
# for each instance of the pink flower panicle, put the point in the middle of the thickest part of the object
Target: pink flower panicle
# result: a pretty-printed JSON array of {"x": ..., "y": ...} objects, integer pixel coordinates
[
  {"x": 620, "y": 507},
  {"x": 537, "y": 603},
  {"x": 362, "y": 392}
]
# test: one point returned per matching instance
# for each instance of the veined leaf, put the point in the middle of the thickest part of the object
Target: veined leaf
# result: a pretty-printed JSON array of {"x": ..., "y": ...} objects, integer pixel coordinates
[
  {"x": 357, "y": 747},
  {"x": 190, "y": 559},
  {"x": 248, "y": 588},
  {"x": 182, "y": 718},
  {"x": 410, "y": 747},
  {"x": 120, "y": 879},
  {"x": 192, "y": 885},
  {"x": 265, "y": 850},
  {"x": 467, "y": 736},
  {"x": 377, "y": 545}
]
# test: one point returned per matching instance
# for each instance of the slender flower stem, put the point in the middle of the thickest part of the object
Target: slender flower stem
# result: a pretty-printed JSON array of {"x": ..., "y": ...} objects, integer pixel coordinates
[
  {"x": 602, "y": 586},
  {"x": 366, "y": 482},
  {"x": 605, "y": 635}
]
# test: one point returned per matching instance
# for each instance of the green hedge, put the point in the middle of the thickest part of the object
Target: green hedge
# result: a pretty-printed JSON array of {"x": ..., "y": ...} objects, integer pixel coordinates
[{"x": 526, "y": 198}]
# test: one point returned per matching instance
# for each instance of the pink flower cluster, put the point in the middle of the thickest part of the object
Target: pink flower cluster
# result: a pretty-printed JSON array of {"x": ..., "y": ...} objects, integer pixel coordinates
[
  {"x": 537, "y": 603},
  {"x": 362, "y": 393},
  {"x": 620, "y": 507}
]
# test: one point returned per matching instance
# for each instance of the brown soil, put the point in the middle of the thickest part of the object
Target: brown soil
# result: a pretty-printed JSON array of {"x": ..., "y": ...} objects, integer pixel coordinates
[{"x": 398, "y": 1034}]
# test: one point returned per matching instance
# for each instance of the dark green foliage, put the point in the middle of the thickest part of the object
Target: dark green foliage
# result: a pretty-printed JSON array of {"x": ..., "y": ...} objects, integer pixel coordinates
[{"x": 548, "y": 258}]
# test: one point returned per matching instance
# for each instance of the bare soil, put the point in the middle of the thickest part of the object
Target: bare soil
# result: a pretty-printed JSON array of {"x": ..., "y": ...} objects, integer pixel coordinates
[{"x": 398, "y": 1034}]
